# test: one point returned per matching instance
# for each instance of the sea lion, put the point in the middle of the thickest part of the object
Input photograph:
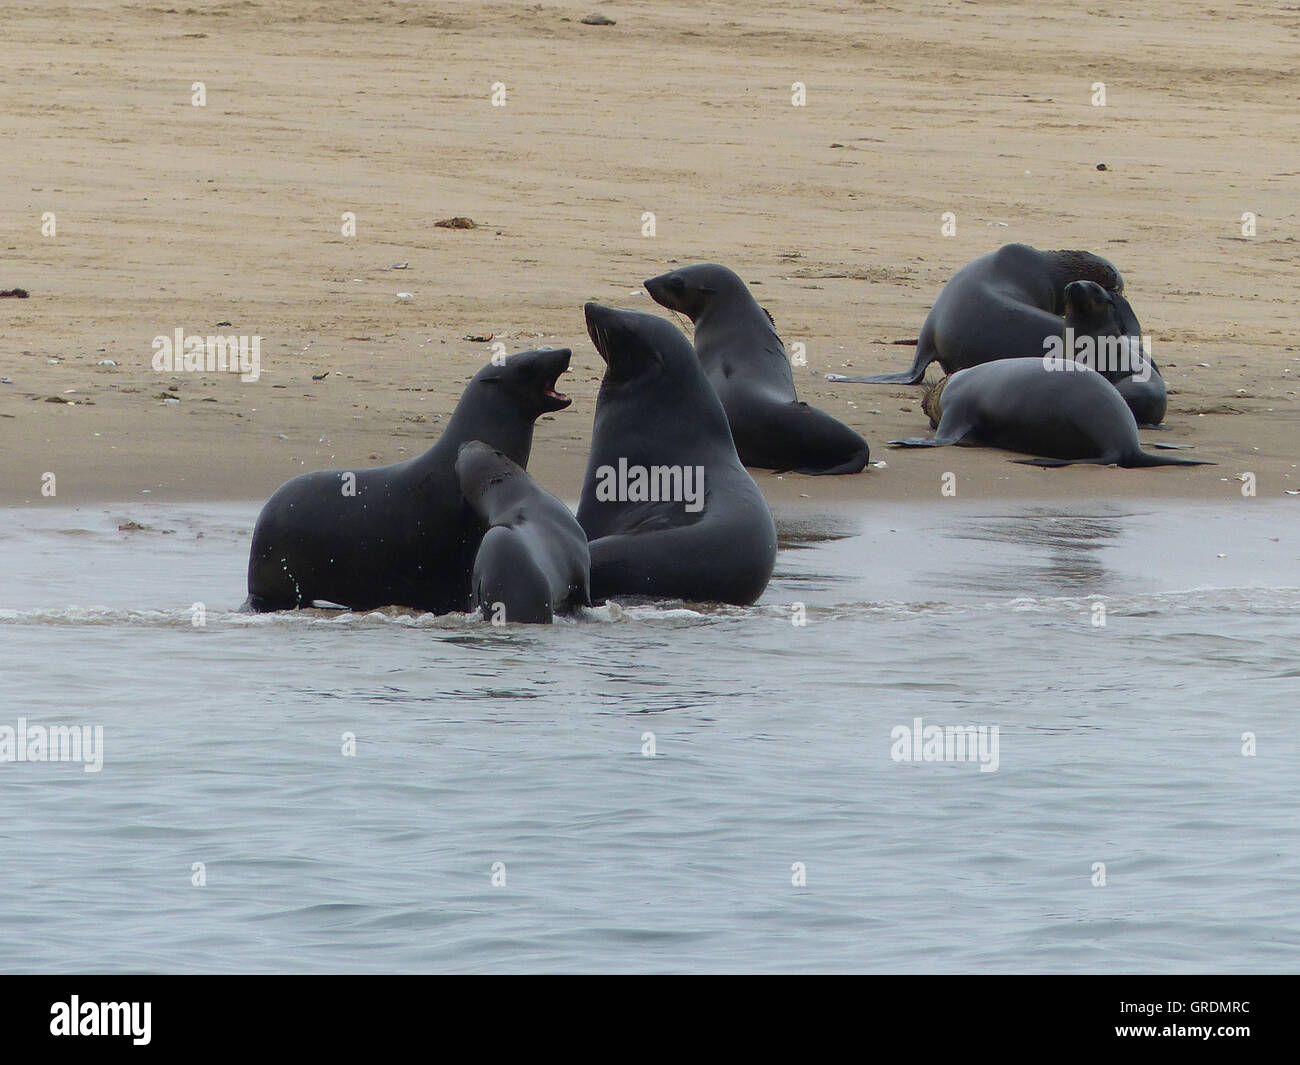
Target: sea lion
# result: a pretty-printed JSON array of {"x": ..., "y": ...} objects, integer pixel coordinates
[
  {"x": 532, "y": 562},
  {"x": 1113, "y": 346},
  {"x": 1001, "y": 305},
  {"x": 1055, "y": 409},
  {"x": 668, "y": 507},
  {"x": 399, "y": 534},
  {"x": 746, "y": 363}
]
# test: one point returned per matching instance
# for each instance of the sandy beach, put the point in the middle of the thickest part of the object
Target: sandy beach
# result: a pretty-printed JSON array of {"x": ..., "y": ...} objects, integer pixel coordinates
[{"x": 172, "y": 216}]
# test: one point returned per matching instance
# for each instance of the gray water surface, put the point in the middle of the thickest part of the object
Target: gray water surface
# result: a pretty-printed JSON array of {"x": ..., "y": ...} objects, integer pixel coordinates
[{"x": 223, "y": 745}]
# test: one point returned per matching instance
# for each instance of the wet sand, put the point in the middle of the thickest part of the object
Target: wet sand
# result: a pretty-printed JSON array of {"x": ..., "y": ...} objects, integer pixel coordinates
[{"x": 174, "y": 216}]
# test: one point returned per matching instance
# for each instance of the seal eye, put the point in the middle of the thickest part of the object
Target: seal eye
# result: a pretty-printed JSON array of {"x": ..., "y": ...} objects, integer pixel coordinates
[{"x": 677, "y": 284}]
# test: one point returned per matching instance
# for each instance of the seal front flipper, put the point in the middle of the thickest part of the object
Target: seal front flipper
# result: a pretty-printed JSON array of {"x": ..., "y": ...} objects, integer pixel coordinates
[
  {"x": 796, "y": 438},
  {"x": 701, "y": 570},
  {"x": 943, "y": 438},
  {"x": 749, "y": 368}
]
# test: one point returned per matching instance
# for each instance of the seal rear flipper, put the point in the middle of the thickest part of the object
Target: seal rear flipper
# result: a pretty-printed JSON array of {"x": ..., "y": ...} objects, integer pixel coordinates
[
  {"x": 1051, "y": 464},
  {"x": 1166, "y": 447},
  {"x": 1141, "y": 460},
  {"x": 914, "y": 376},
  {"x": 925, "y": 354}
]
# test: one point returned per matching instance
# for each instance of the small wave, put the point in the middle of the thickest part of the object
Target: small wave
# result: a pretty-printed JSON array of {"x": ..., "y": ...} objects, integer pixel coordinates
[
  {"x": 336, "y": 618},
  {"x": 675, "y": 613},
  {"x": 1263, "y": 601}
]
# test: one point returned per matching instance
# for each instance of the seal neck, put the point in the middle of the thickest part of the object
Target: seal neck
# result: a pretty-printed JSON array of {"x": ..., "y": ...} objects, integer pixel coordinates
[
  {"x": 1076, "y": 265},
  {"x": 487, "y": 413}
]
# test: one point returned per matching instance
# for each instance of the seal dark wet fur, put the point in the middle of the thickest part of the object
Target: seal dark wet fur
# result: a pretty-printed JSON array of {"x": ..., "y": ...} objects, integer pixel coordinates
[
  {"x": 1001, "y": 305},
  {"x": 400, "y": 534},
  {"x": 1108, "y": 320},
  {"x": 748, "y": 367},
  {"x": 1056, "y": 410},
  {"x": 533, "y": 561},
  {"x": 657, "y": 413}
]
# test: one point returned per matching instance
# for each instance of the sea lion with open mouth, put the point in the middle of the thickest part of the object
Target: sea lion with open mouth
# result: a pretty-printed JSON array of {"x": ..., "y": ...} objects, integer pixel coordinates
[{"x": 402, "y": 534}]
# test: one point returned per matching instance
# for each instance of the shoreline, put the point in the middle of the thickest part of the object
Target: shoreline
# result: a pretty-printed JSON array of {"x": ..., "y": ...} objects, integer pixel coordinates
[{"x": 113, "y": 459}]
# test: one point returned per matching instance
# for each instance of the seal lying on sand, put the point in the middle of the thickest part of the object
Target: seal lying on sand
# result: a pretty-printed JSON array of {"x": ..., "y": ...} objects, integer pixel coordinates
[
  {"x": 668, "y": 507},
  {"x": 1056, "y": 408},
  {"x": 400, "y": 534},
  {"x": 1001, "y": 305},
  {"x": 533, "y": 560},
  {"x": 747, "y": 365}
]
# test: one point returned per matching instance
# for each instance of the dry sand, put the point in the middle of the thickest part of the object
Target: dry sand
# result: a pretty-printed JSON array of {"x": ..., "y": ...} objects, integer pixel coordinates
[{"x": 174, "y": 216}]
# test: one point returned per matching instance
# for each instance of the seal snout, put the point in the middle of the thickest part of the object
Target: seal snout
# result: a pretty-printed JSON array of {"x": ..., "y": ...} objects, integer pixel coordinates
[
  {"x": 667, "y": 290},
  {"x": 597, "y": 323},
  {"x": 470, "y": 452},
  {"x": 479, "y": 467},
  {"x": 554, "y": 362},
  {"x": 656, "y": 287},
  {"x": 1085, "y": 297}
]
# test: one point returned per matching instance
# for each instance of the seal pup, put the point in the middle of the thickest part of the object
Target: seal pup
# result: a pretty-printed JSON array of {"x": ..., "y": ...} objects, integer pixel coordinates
[
  {"x": 747, "y": 365},
  {"x": 666, "y": 503},
  {"x": 1001, "y": 305},
  {"x": 1058, "y": 409},
  {"x": 533, "y": 561},
  {"x": 401, "y": 534}
]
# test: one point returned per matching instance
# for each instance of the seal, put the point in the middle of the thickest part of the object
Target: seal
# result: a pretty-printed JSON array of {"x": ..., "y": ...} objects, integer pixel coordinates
[
  {"x": 666, "y": 504},
  {"x": 1001, "y": 305},
  {"x": 533, "y": 561},
  {"x": 400, "y": 534},
  {"x": 1055, "y": 409},
  {"x": 1104, "y": 325},
  {"x": 747, "y": 365}
]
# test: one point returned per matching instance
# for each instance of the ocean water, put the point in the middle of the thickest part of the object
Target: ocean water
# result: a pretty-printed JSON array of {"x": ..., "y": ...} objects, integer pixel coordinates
[{"x": 497, "y": 809}]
